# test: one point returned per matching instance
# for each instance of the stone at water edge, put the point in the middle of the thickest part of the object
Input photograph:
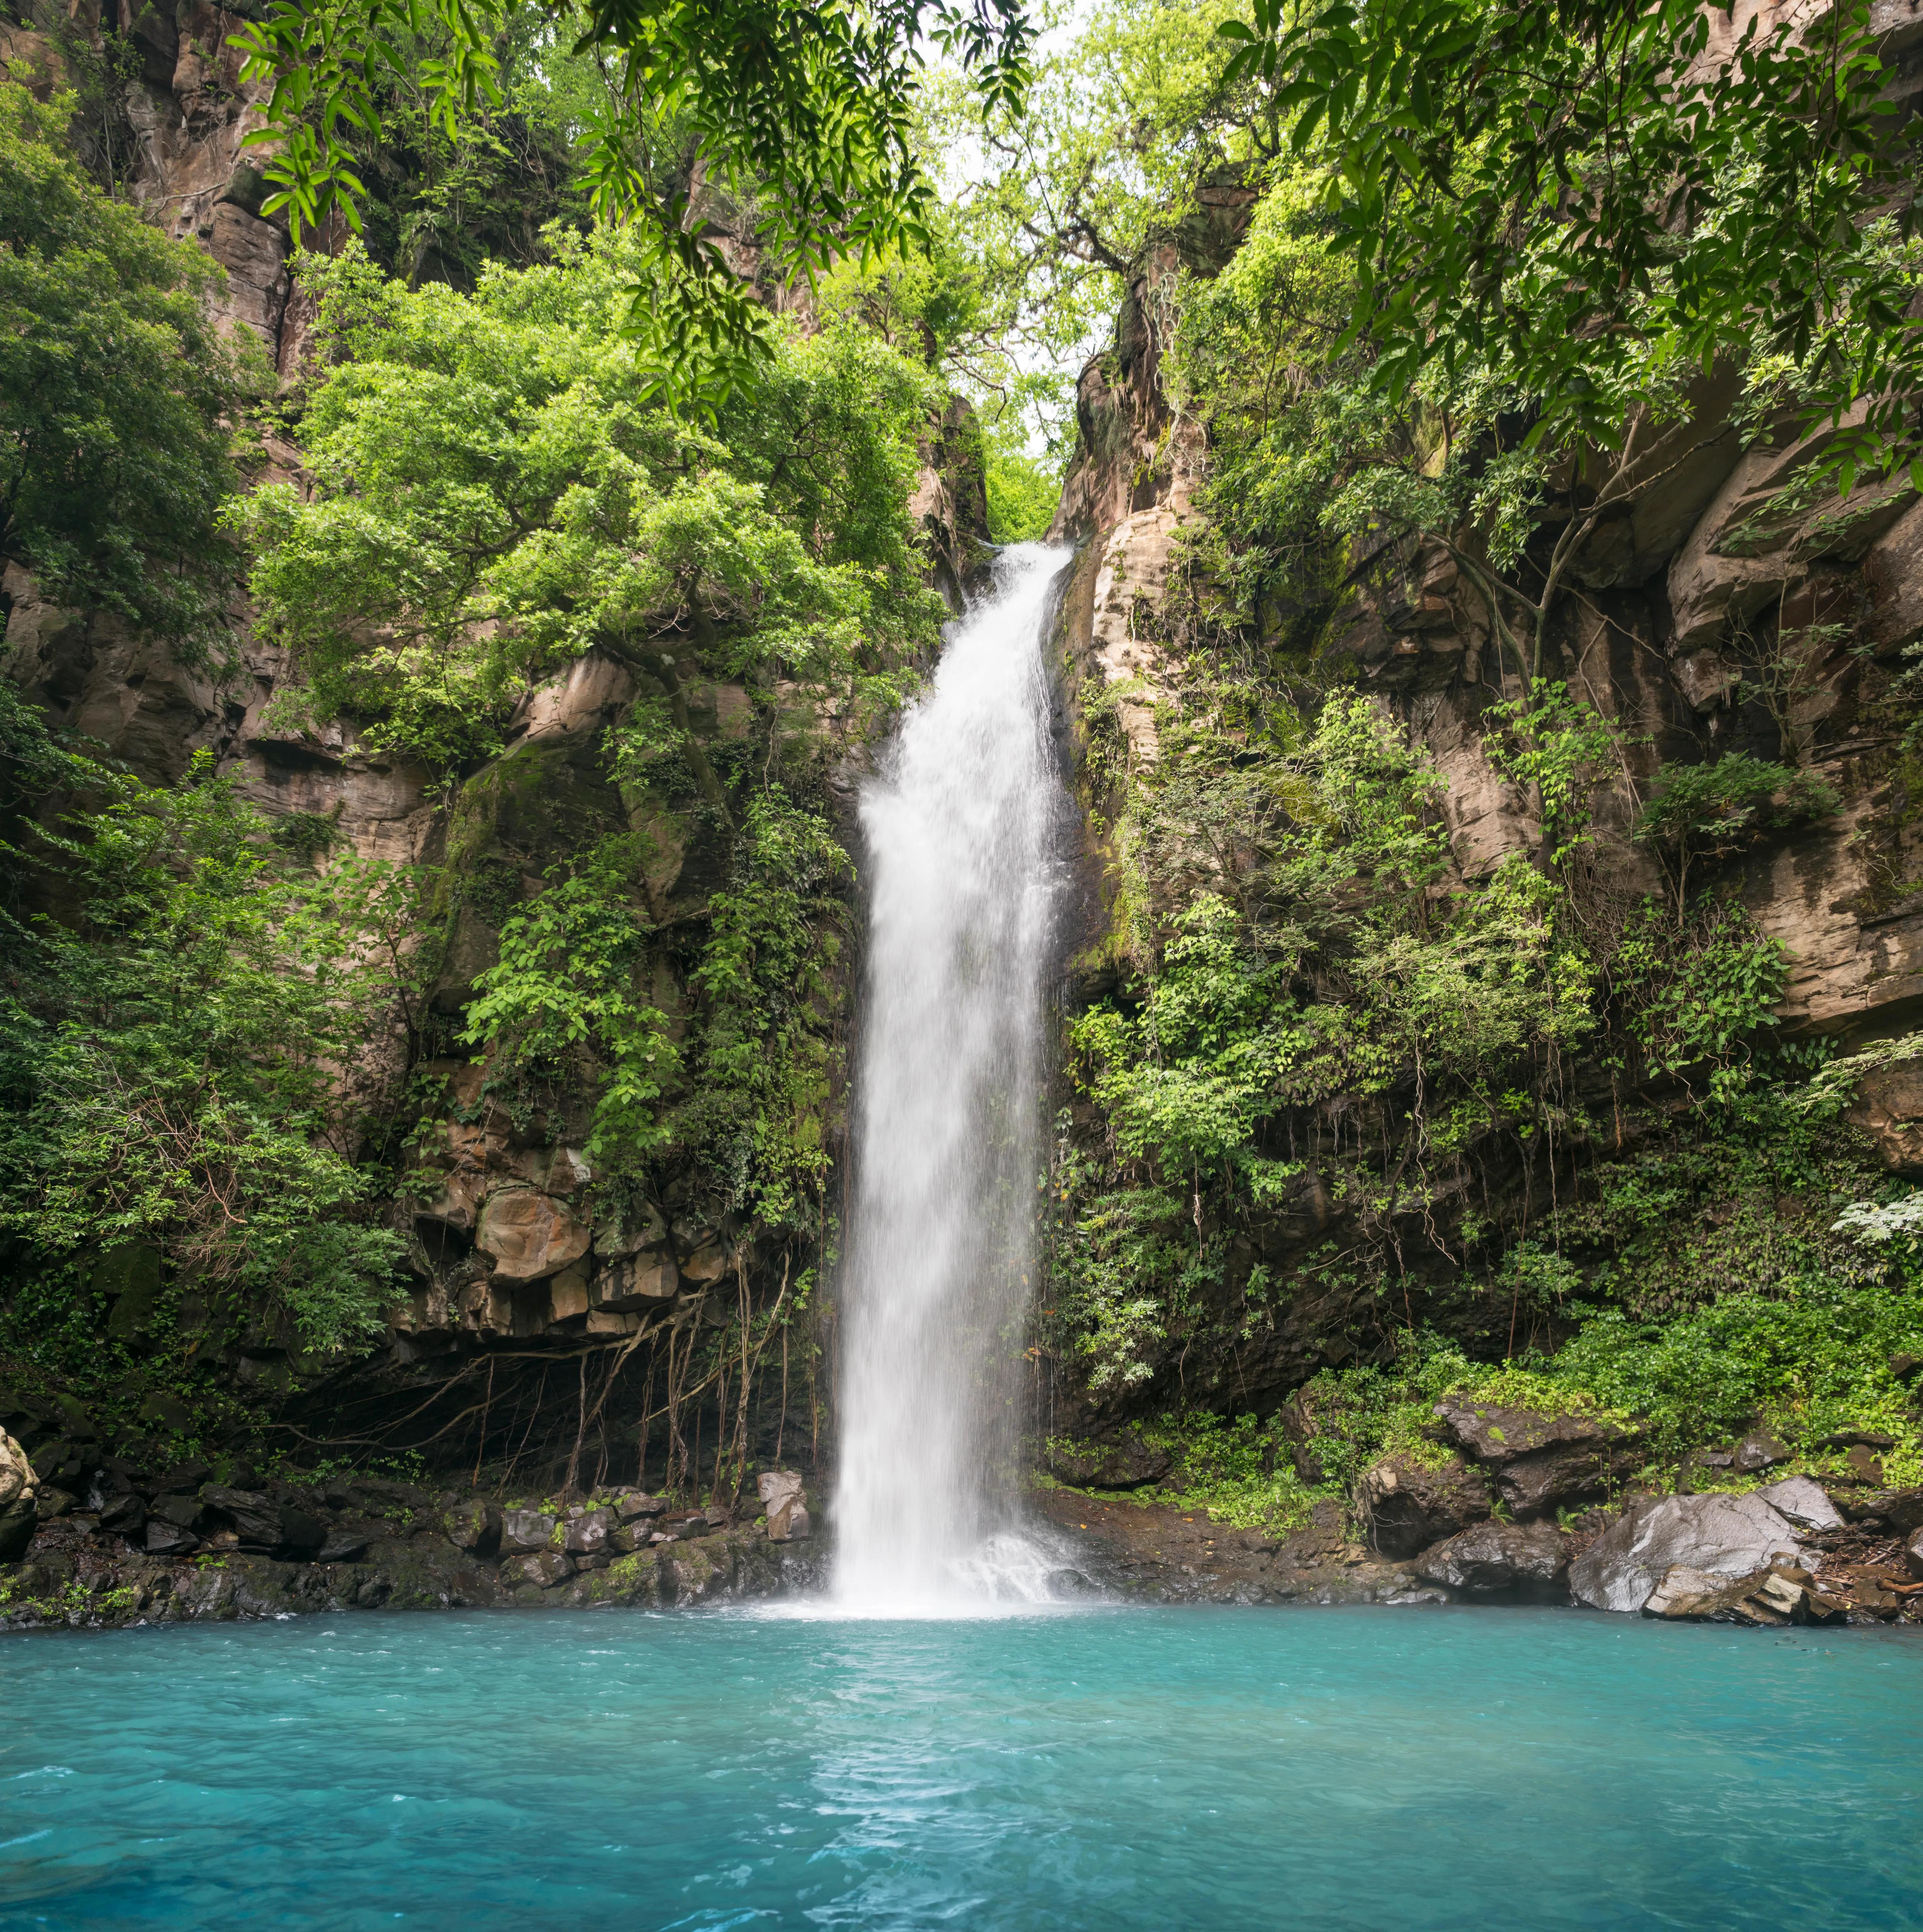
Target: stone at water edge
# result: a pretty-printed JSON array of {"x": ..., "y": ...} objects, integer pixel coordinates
[
  {"x": 1912, "y": 1555},
  {"x": 586, "y": 1535},
  {"x": 19, "y": 1491},
  {"x": 1769, "y": 1598},
  {"x": 1732, "y": 1537},
  {"x": 1540, "y": 1461},
  {"x": 474, "y": 1525},
  {"x": 1492, "y": 1556},
  {"x": 1408, "y": 1507},
  {"x": 1804, "y": 1503},
  {"x": 783, "y": 1498},
  {"x": 524, "y": 1531}
]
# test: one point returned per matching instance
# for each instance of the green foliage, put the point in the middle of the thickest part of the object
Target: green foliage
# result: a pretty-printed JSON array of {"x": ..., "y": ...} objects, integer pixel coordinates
[
  {"x": 804, "y": 117},
  {"x": 1561, "y": 749},
  {"x": 757, "y": 1111},
  {"x": 168, "y": 1070},
  {"x": 1577, "y": 200},
  {"x": 1812, "y": 1359},
  {"x": 1700, "y": 994},
  {"x": 495, "y": 497},
  {"x": 1712, "y": 811},
  {"x": 1023, "y": 492},
  {"x": 562, "y": 999},
  {"x": 116, "y": 392},
  {"x": 1237, "y": 1470}
]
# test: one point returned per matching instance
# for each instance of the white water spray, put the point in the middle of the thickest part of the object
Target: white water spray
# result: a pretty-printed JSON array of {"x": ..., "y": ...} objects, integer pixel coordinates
[{"x": 963, "y": 828}]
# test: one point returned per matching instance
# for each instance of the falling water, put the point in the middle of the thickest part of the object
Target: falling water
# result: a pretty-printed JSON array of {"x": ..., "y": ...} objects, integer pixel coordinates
[{"x": 963, "y": 826}]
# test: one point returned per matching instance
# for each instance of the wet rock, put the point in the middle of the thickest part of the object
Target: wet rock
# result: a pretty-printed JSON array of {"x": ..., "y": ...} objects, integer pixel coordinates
[
  {"x": 547, "y": 1568},
  {"x": 1900, "y": 1511},
  {"x": 1802, "y": 1503},
  {"x": 1731, "y": 1536},
  {"x": 1511, "y": 1557},
  {"x": 1408, "y": 1507},
  {"x": 301, "y": 1534},
  {"x": 1768, "y": 1598},
  {"x": 346, "y": 1543},
  {"x": 474, "y": 1525},
  {"x": 169, "y": 1539},
  {"x": 524, "y": 1532},
  {"x": 182, "y": 1511},
  {"x": 1541, "y": 1463},
  {"x": 125, "y": 1515},
  {"x": 783, "y": 1500},
  {"x": 20, "y": 1493},
  {"x": 586, "y": 1535},
  {"x": 254, "y": 1518},
  {"x": 1758, "y": 1451},
  {"x": 1121, "y": 1462}
]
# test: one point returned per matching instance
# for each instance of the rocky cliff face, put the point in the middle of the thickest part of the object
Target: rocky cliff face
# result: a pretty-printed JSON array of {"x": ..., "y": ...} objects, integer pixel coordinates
[
  {"x": 508, "y": 1253},
  {"x": 1726, "y": 607}
]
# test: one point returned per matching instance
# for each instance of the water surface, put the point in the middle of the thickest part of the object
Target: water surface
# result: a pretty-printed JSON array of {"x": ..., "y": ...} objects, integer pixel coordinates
[{"x": 1092, "y": 1771}]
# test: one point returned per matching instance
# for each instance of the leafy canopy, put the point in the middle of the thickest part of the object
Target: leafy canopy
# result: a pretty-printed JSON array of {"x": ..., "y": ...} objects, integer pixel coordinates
[
  {"x": 115, "y": 390},
  {"x": 802, "y": 113},
  {"x": 1581, "y": 199},
  {"x": 495, "y": 494}
]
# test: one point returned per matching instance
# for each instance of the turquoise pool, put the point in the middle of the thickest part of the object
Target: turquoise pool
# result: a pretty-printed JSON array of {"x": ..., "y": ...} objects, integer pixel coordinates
[{"x": 1093, "y": 1772}]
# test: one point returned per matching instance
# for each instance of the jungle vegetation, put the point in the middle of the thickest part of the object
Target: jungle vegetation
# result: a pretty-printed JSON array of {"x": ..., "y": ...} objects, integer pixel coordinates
[{"x": 636, "y": 356}]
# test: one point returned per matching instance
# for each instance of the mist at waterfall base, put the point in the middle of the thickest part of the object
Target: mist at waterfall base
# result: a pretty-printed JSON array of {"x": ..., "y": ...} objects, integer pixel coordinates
[
  {"x": 962, "y": 827},
  {"x": 1098, "y": 1770}
]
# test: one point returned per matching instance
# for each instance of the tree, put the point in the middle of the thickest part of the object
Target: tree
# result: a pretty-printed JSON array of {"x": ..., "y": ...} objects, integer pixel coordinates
[
  {"x": 495, "y": 494},
  {"x": 1581, "y": 200},
  {"x": 115, "y": 391},
  {"x": 802, "y": 113}
]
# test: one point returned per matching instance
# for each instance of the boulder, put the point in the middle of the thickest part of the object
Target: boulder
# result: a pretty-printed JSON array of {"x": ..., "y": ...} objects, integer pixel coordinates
[
  {"x": 1898, "y": 1510},
  {"x": 474, "y": 1525},
  {"x": 1121, "y": 1461},
  {"x": 1731, "y": 1536},
  {"x": 1758, "y": 1451},
  {"x": 254, "y": 1518},
  {"x": 182, "y": 1511},
  {"x": 1408, "y": 1507},
  {"x": 347, "y": 1542},
  {"x": 1531, "y": 1558},
  {"x": 19, "y": 1504},
  {"x": 524, "y": 1532},
  {"x": 547, "y": 1567},
  {"x": 530, "y": 1235},
  {"x": 125, "y": 1515},
  {"x": 785, "y": 1501},
  {"x": 1913, "y": 1554},
  {"x": 1769, "y": 1598},
  {"x": 1802, "y": 1503},
  {"x": 1543, "y": 1463},
  {"x": 169, "y": 1539},
  {"x": 301, "y": 1535},
  {"x": 586, "y": 1535},
  {"x": 636, "y": 1505}
]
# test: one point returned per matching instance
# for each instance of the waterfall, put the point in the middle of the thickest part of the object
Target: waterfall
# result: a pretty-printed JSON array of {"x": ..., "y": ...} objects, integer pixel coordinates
[{"x": 963, "y": 825}]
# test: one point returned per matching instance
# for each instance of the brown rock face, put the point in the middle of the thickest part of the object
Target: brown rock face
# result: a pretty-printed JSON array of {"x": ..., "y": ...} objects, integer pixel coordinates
[
  {"x": 530, "y": 1236},
  {"x": 1542, "y": 1463},
  {"x": 1888, "y": 1107},
  {"x": 1409, "y": 1508},
  {"x": 1490, "y": 1557}
]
